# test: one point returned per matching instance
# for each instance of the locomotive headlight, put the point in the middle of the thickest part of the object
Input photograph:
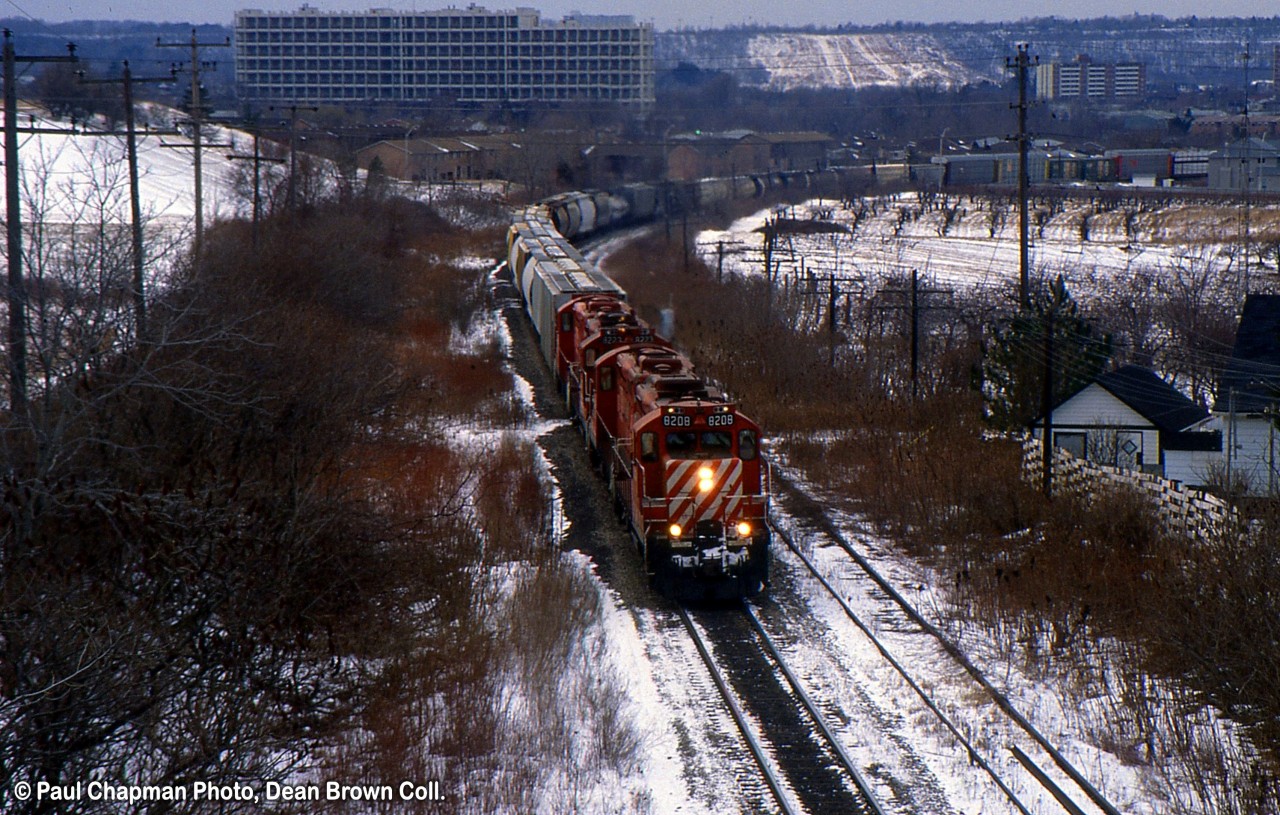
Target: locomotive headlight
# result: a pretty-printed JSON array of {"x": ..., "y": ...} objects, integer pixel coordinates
[
  {"x": 705, "y": 473},
  {"x": 674, "y": 530},
  {"x": 705, "y": 485},
  {"x": 744, "y": 529}
]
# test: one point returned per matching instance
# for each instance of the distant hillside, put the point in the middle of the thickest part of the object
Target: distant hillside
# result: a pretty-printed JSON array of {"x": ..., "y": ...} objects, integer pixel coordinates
[{"x": 1188, "y": 51}]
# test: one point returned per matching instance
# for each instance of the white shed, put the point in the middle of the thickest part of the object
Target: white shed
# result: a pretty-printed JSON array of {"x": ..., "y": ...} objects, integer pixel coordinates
[{"x": 1132, "y": 419}]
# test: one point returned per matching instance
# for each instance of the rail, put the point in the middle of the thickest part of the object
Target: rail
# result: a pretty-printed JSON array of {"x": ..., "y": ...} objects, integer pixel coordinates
[
  {"x": 1000, "y": 699},
  {"x": 850, "y": 767},
  {"x": 758, "y": 752}
]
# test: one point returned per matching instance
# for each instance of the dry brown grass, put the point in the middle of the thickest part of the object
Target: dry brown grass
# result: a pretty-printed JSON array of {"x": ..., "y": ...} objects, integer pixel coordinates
[
  {"x": 1050, "y": 580},
  {"x": 474, "y": 685}
]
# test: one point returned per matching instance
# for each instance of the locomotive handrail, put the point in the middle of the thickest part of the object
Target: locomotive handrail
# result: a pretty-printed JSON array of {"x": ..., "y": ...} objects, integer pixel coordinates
[{"x": 748, "y": 499}]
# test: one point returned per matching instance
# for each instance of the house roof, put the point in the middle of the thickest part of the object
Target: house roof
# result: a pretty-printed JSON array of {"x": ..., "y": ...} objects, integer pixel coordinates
[
  {"x": 796, "y": 138},
  {"x": 1154, "y": 399},
  {"x": 1251, "y": 381}
]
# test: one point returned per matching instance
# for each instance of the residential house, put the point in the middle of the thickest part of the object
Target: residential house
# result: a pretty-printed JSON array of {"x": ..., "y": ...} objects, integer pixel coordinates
[
  {"x": 1249, "y": 396},
  {"x": 1132, "y": 419}
]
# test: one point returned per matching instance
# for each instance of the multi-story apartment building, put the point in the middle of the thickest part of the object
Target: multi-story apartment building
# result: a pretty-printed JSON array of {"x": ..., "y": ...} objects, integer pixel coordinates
[
  {"x": 469, "y": 55},
  {"x": 1085, "y": 80}
]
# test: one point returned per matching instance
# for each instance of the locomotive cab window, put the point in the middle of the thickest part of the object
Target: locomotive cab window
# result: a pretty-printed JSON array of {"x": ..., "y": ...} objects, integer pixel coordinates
[
  {"x": 590, "y": 357},
  {"x": 606, "y": 379},
  {"x": 747, "y": 444},
  {"x": 682, "y": 444},
  {"x": 566, "y": 321},
  {"x": 648, "y": 446},
  {"x": 716, "y": 444}
]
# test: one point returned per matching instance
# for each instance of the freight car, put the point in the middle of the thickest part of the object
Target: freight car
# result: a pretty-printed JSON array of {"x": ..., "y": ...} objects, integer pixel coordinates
[{"x": 681, "y": 461}]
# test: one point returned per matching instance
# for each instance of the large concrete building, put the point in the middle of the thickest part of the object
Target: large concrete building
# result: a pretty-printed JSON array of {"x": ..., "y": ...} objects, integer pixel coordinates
[
  {"x": 1088, "y": 81},
  {"x": 467, "y": 55}
]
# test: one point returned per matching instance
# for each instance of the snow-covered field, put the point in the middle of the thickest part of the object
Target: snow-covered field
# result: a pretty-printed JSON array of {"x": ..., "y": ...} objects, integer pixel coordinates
[
  {"x": 796, "y": 60},
  {"x": 84, "y": 166},
  {"x": 969, "y": 244}
]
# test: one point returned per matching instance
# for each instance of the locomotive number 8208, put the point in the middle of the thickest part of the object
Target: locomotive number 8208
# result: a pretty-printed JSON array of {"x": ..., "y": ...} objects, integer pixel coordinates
[
  {"x": 677, "y": 420},
  {"x": 720, "y": 420}
]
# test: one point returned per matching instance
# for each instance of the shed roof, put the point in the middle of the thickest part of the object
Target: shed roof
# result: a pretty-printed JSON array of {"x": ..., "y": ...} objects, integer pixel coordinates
[{"x": 1154, "y": 399}]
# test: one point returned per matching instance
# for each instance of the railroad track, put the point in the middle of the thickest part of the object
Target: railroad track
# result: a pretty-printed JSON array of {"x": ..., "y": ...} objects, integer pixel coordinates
[
  {"x": 801, "y": 759},
  {"x": 1035, "y": 743}
]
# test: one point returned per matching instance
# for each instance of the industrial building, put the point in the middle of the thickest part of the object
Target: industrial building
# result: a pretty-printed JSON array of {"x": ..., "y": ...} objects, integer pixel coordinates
[{"x": 467, "y": 55}]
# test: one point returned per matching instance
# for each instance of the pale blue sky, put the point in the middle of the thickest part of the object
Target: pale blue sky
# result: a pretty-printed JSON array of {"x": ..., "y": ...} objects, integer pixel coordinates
[{"x": 664, "y": 13}]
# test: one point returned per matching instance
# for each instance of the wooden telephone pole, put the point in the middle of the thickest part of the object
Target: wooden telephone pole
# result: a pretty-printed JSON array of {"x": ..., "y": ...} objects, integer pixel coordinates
[
  {"x": 127, "y": 80},
  {"x": 197, "y": 117},
  {"x": 258, "y": 159},
  {"x": 1021, "y": 63},
  {"x": 13, "y": 199}
]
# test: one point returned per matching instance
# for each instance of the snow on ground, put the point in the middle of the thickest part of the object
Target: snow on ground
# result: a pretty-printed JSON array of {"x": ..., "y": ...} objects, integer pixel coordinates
[
  {"x": 796, "y": 60},
  {"x": 972, "y": 248},
  {"x": 166, "y": 177},
  {"x": 686, "y": 758},
  {"x": 887, "y": 723}
]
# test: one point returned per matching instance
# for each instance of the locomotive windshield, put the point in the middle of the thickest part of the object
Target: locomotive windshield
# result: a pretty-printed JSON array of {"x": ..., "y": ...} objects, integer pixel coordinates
[{"x": 705, "y": 444}]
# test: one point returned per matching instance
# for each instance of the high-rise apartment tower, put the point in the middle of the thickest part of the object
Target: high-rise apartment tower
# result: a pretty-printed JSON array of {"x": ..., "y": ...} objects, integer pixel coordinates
[{"x": 466, "y": 55}]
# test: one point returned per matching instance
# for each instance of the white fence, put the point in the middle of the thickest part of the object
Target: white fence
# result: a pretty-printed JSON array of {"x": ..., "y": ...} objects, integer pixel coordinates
[{"x": 1194, "y": 513}]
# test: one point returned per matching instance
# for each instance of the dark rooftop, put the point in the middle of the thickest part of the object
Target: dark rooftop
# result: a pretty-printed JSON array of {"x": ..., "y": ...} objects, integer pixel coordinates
[
  {"x": 1162, "y": 404},
  {"x": 1251, "y": 382}
]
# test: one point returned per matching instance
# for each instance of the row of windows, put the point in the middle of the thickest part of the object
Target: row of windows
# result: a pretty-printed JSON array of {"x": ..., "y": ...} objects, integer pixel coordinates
[
  {"x": 573, "y": 66},
  {"x": 365, "y": 21},
  {"x": 259, "y": 80},
  {"x": 528, "y": 36},
  {"x": 351, "y": 37},
  {"x": 327, "y": 92},
  {"x": 439, "y": 50},
  {"x": 259, "y": 26}
]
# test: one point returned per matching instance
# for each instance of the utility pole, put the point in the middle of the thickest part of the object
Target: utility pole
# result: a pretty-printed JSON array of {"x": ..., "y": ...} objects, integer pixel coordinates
[
  {"x": 1245, "y": 176},
  {"x": 1020, "y": 64},
  {"x": 1046, "y": 407},
  {"x": 135, "y": 203},
  {"x": 684, "y": 238},
  {"x": 915, "y": 330},
  {"x": 257, "y": 158},
  {"x": 291, "y": 196},
  {"x": 197, "y": 116},
  {"x": 13, "y": 200},
  {"x": 912, "y": 304}
]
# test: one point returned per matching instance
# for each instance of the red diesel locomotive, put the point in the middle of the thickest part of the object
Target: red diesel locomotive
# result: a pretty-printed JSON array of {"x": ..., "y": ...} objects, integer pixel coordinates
[{"x": 683, "y": 464}]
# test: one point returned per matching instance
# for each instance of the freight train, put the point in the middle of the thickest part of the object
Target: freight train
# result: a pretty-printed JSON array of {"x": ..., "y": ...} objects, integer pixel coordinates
[
  {"x": 683, "y": 463},
  {"x": 576, "y": 214}
]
